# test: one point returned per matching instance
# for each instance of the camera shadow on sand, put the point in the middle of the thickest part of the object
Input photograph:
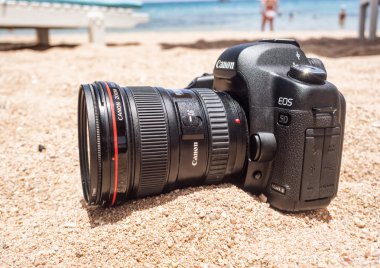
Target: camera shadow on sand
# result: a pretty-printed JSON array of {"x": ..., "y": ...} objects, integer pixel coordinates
[
  {"x": 99, "y": 216},
  {"x": 326, "y": 47}
]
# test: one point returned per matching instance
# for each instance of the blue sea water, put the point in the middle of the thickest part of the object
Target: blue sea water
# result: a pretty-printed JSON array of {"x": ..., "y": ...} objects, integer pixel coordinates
[
  {"x": 240, "y": 15},
  {"x": 245, "y": 15}
]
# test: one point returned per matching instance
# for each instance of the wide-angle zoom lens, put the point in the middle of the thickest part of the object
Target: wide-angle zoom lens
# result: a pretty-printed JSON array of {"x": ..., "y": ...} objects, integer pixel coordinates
[{"x": 142, "y": 141}]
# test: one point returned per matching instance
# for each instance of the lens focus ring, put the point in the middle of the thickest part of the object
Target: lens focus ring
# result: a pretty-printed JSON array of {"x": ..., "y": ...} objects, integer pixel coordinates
[
  {"x": 154, "y": 141},
  {"x": 220, "y": 141}
]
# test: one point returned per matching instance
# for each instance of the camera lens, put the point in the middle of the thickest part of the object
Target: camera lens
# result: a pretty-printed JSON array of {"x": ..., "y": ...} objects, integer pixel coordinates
[{"x": 141, "y": 141}]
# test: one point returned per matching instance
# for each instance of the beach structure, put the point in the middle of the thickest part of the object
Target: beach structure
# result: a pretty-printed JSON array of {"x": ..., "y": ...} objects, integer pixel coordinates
[
  {"x": 373, "y": 6},
  {"x": 95, "y": 15}
]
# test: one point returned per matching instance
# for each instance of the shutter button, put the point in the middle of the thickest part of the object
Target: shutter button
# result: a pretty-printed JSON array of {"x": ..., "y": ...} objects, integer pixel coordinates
[{"x": 308, "y": 74}]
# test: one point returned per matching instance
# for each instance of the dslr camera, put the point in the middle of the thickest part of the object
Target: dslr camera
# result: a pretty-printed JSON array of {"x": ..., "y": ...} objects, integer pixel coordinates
[{"x": 266, "y": 120}]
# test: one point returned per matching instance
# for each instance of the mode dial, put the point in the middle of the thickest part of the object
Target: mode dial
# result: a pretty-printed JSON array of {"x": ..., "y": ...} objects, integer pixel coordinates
[{"x": 308, "y": 74}]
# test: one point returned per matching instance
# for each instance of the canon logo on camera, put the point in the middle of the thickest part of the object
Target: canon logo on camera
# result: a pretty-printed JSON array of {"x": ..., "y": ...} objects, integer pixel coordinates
[{"x": 227, "y": 65}]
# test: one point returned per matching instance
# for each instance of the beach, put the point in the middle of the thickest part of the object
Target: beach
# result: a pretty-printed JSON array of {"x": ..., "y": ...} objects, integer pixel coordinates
[{"x": 44, "y": 220}]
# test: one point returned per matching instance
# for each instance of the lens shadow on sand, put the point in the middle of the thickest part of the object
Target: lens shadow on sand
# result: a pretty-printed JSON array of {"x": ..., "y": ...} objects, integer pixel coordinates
[
  {"x": 327, "y": 47},
  {"x": 99, "y": 216}
]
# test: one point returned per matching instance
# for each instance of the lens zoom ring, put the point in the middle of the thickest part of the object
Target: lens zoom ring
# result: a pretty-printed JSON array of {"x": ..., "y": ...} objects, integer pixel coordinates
[
  {"x": 154, "y": 141},
  {"x": 220, "y": 142}
]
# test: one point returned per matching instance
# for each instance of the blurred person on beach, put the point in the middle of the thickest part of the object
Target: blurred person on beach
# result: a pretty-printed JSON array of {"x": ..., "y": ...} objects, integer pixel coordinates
[
  {"x": 269, "y": 12},
  {"x": 291, "y": 16},
  {"x": 342, "y": 17}
]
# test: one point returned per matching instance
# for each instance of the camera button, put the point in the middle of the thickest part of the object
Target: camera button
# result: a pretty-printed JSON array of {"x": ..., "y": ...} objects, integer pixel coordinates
[
  {"x": 255, "y": 147},
  {"x": 257, "y": 175},
  {"x": 191, "y": 121},
  {"x": 263, "y": 147},
  {"x": 308, "y": 74}
]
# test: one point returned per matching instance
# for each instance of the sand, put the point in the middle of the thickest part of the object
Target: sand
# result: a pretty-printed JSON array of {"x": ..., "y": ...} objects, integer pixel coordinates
[{"x": 44, "y": 220}]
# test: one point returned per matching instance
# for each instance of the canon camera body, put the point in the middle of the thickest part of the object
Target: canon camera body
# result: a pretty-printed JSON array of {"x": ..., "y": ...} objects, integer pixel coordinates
[{"x": 295, "y": 117}]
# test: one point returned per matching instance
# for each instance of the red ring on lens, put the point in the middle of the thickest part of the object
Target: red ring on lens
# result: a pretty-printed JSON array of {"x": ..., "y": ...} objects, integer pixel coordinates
[{"x": 115, "y": 143}]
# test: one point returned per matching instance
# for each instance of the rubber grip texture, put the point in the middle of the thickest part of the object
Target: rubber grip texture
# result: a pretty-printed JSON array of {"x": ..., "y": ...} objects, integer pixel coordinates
[
  {"x": 154, "y": 140},
  {"x": 220, "y": 140}
]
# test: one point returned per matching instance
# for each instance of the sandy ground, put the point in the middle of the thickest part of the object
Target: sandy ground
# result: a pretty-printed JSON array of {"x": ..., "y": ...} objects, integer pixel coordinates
[{"x": 44, "y": 220}]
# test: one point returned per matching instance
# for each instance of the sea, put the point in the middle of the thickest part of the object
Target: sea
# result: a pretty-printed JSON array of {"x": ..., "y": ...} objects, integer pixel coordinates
[
  {"x": 241, "y": 15},
  {"x": 246, "y": 15}
]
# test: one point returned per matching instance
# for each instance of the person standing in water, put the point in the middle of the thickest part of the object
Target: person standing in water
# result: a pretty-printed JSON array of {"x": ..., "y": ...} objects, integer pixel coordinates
[
  {"x": 291, "y": 16},
  {"x": 269, "y": 12},
  {"x": 342, "y": 17}
]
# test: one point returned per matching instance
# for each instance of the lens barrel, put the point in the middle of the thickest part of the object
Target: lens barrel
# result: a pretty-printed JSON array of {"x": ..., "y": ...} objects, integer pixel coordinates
[{"x": 141, "y": 141}]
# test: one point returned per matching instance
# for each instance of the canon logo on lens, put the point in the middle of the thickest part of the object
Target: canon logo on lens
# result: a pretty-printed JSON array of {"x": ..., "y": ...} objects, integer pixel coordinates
[{"x": 195, "y": 155}]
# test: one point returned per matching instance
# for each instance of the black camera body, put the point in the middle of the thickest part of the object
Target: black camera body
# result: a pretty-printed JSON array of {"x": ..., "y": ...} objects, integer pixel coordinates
[
  {"x": 266, "y": 120},
  {"x": 295, "y": 119}
]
